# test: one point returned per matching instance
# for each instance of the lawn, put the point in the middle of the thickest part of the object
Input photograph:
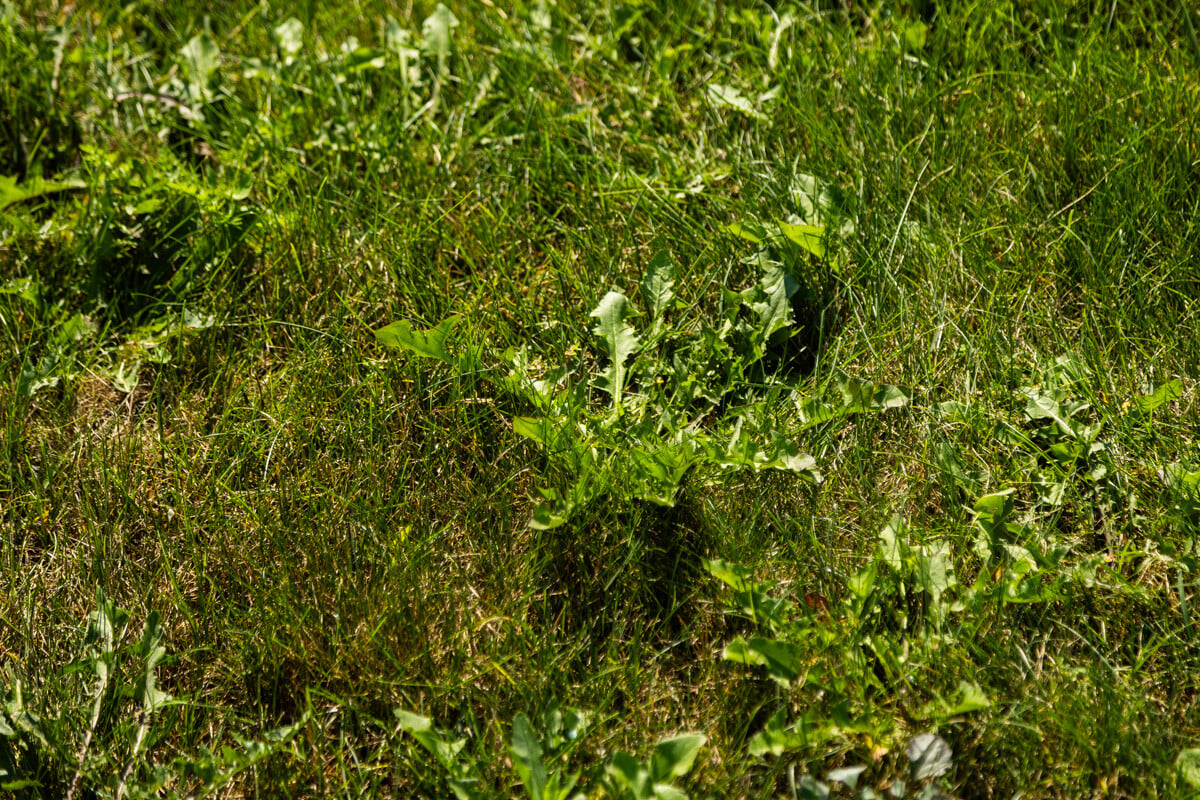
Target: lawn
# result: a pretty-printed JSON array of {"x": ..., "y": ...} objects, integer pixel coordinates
[{"x": 701, "y": 399}]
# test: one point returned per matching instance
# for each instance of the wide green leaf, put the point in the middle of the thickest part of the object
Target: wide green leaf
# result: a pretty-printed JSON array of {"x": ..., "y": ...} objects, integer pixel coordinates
[
  {"x": 929, "y": 756},
  {"x": 619, "y": 340},
  {"x": 1171, "y": 390},
  {"x": 527, "y": 757},
  {"x": 771, "y": 299},
  {"x": 628, "y": 777},
  {"x": 430, "y": 343},
  {"x": 1044, "y": 406},
  {"x": 777, "y": 738},
  {"x": 935, "y": 571},
  {"x": 808, "y": 237},
  {"x": 730, "y": 97},
  {"x": 550, "y": 514},
  {"x": 11, "y": 192},
  {"x": 152, "y": 650},
  {"x": 437, "y": 33},
  {"x": 673, "y": 757},
  {"x": 658, "y": 285},
  {"x": 750, "y": 230},
  {"x": 736, "y": 576},
  {"x": 970, "y": 698},
  {"x": 784, "y": 661},
  {"x": 289, "y": 38},
  {"x": 535, "y": 428},
  {"x": 1187, "y": 763}
]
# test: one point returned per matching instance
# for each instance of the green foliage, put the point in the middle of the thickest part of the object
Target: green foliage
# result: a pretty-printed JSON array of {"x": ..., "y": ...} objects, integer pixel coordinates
[
  {"x": 893, "y": 328},
  {"x": 662, "y": 385},
  {"x": 538, "y": 760},
  {"x": 628, "y": 779},
  {"x": 820, "y": 652},
  {"x": 107, "y": 752}
]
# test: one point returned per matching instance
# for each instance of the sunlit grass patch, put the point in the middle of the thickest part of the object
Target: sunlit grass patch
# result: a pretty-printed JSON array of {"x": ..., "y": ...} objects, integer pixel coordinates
[{"x": 562, "y": 400}]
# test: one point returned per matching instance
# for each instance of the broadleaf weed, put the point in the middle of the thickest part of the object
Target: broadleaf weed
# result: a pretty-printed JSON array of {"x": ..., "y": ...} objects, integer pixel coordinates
[
  {"x": 108, "y": 752},
  {"x": 707, "y": 406}
]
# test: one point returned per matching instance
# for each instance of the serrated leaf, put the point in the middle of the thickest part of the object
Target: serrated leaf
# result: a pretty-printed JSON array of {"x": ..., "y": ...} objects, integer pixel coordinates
[
  {"x": 437, "y": 33},
  {"x": 771, "y": 299},
  {"x": 784, "y": 661},
  {"x": 656, "y": 475},
  {"x": 150, "y": 648},
  {"x": 34, "y": 378},
  {"x": 658, "y": 284},
  {"x": 970, "y": 698},
  {"x": 1044, "y": 406},
  {"x": 430, "y": 343},
  {"x": 619, "y": 340},
  {"x": 289, "y": 37},
  {"x": 11, "y": 192},
  {"x": 741, "y": 451},
  {"x": 1171, "y": 390},
  {"x": 730, "y": 97},
  {"x": 673, "y": 757}
]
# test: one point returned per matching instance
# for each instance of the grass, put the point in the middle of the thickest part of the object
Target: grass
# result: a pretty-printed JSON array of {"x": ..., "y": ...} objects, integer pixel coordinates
[{"x": 206, "y": 213}]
